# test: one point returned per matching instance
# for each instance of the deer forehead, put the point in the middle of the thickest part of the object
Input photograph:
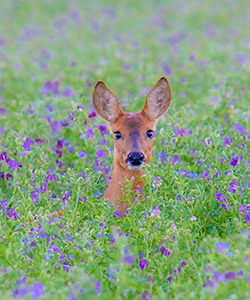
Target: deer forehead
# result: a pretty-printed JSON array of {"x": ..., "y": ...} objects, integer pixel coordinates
[{"x": 129, "y": 122}]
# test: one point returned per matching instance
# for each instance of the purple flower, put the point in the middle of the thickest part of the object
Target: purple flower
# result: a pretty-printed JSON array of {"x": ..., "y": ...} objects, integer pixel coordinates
[
  {"x": 89, "y": 134},
  {"x": 230, "y": 275},
  {"x": 146, "y": 296},
  {"x": 2, "y": 175},
  {"x": 166, "y": 68},
  {"x": 98, "y": 287},
  {"x": 227, "y": 141},
  {"x": 240, "y": 129},
  {"x": 215, "y": 99},
  {"x": 232, "y": 186},
  {"x": 175, "y": 159},
  {"x": 169, "y": 278},
  {"x": 93, "y": 114},
  {"x": 247, "y": 217},
  {"x": 68, "y": 92},
  {"x": 165, "y": 252},
  {"x": 157, "y": 181},
  {"x": 183, "y": 264},
  {"x": 221, "y": 247},
  {"x": 127, "y": 67},
  {"x": 3, "y": 156},
  {"x": 221, "y": 198},
  {"x": 187, "y": 174},
  {"x": 37, "y": 291},
  {"x": 128, "y": 260},
  {"x": 219, "y": 277},
  {"x": 14, "y": 165},
  {"x": 100, "y": 153},
  {"x": 143, "y": 263},
  {"x": 8, "y": 176},
  {"x": 59, "y": 152},
  {"x": 244, "y": 208},
  {"x": 179, "y": 132},
  {"x": 82, "y": 154},
  {"x": 192, "y": 57},
  {"x": 27, "y": 143},
  {"x": 163, "y": 157},
  {"x": 65, "y": 197},
  {"x": 3, "y": 111},
  {"x": 103, "y": 130},
  {"x": 234, "y": 162},
  {"x": 59, "y": 144}
]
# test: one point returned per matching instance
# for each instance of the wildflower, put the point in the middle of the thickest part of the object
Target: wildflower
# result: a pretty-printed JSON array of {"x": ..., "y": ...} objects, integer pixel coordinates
[
  {"x": 227, "y": 141},
  {"x": 169, "y": 278},
  {"x": 146, "y": 296},
  {"x": 92, "y": 114},
  {"x": 166, "y": 68},
  {"x": 187, "y": 174},
  {"x": 156, "y": 213},
  {"x": 232, "y": 186},
  {"x": 179, "y": 132},
  {"x": 14, "y": 165},
  {"x": 68, "y": 92},
  {"x": 219, "y": 277},
  {"x": 175, "y": 159},
  {"x": 157, "y": 181},
  {"x": 240, "y": 129},
  {"x": 163, "y": 157},
  {"x": 165, "y": 251},
  {"x": 3, "y": 111},
  {"x": 230, "y": 275},
  {"x": 223, "y": 199},
  {"x": 143, "y": 263},
  {"x": 247, "y": 217},
  {"x": 240, "y": 273},
  {"x": 244, "y": 208},
  {"x": 128, "y": 260},
  {"x": 183, "y": 264},
  {"x": 234, "y": 162},
  {"x": 89, "y": 134},
  {"x": 100, "y": 153},
  {"x": 222, "y": 247},
  {"x": 193, "y": 218},
  {"x": 59, "y": 144},
  {"x": 98, "y": 287},
  {"x": 103, "y": 130},
  {"x": 82, "y": 154},
  {"x": 65, "y": 197}
]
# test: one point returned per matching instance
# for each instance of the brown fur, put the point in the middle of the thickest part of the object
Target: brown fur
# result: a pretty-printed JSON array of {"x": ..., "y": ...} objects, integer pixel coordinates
[{"x": 133, "y": 127}]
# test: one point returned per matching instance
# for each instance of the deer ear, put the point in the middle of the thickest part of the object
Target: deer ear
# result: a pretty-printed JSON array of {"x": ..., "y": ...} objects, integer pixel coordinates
[
  {"x": 158, "y": 99},
  {"x": 106, "y": 103}
]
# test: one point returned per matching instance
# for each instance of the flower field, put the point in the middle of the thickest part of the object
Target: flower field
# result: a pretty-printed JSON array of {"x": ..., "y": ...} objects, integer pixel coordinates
[{"x": 190, "y": 237}]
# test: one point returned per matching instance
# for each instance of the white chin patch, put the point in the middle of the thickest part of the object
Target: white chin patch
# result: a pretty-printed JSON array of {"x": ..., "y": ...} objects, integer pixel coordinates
[{"x": 134, "y": 168}]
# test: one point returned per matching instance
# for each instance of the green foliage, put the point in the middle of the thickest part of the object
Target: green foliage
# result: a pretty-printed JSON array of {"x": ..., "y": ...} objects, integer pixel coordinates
[{"x": 189, "y": 238}]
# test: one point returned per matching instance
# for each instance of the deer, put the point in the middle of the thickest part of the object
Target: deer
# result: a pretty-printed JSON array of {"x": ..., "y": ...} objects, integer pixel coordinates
[{"x": 133, "y": 132}]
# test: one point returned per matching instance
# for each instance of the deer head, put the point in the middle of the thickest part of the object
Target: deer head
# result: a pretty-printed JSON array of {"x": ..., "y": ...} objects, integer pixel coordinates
[{"x": 133, "y": 132}]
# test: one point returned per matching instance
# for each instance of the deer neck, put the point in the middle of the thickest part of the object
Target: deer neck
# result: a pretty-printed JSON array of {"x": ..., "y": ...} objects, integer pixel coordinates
[{"x": 119, "y": 175}]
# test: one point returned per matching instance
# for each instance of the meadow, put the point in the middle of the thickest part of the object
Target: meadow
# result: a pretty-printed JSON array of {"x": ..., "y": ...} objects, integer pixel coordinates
[{"x": 59, "y": 239}]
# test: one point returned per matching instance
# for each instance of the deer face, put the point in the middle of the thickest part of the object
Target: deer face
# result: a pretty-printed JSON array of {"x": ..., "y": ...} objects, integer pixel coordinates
[{"x": 133, "y": 132}]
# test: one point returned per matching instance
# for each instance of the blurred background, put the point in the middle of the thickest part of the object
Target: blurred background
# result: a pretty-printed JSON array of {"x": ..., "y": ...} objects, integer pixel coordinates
[{"x": 127, "y": 44}]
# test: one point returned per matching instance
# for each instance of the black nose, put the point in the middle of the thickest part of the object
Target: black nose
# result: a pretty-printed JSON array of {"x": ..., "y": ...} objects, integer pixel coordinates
[{"x": 136, "y": 158}]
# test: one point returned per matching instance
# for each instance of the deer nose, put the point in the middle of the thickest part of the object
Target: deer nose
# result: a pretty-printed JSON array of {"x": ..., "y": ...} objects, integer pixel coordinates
[{"x": 136, "y": 158}]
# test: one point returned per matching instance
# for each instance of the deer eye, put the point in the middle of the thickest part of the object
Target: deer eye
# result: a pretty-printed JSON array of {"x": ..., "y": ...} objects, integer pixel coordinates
[
  {"x": 118, "y": 135},
  {"x": 149, "y": 133}
]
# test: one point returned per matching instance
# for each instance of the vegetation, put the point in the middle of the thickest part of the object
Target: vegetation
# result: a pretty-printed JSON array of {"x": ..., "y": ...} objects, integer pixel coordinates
[{"x": 59, "y": 239}]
